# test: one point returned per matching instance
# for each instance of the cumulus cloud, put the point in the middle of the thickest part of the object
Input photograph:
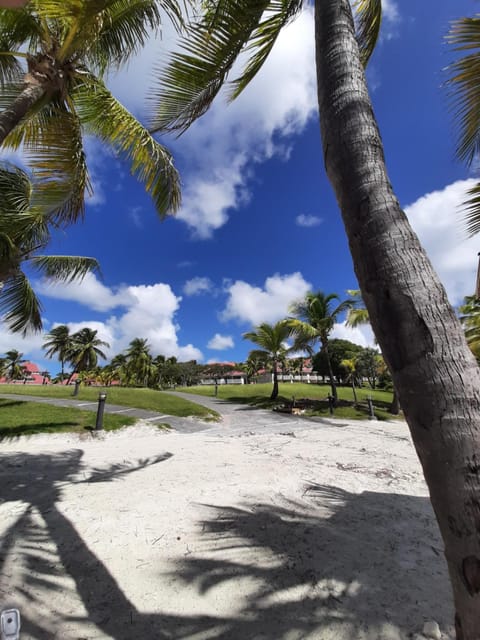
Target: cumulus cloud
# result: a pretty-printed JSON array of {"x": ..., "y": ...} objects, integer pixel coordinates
[
  {"x": 197, "y": 286},
  {"x": 219, "y": 150},
  {"x": 437, "y": 219},
  {"x": 305, "y": 220},
  {"x": 248, "y": 303},
  {"x": 359, "y": 335},
  {"x": 89, "y": 292},
  {"x": 148, "y": 312},
  {"x": 220, "y": 343}
]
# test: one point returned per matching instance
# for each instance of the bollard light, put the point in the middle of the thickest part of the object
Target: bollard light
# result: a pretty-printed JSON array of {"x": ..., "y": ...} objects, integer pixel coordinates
[
  {"x": 101, "y": 408},
  {"x": 77, "y": 387}
]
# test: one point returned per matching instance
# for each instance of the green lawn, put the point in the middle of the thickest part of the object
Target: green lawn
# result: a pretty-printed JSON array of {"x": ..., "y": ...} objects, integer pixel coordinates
[
  {"x": 138, "y": 398},
  {"x": 19, "y": 418},
  {"x": 259, "y": 395}
]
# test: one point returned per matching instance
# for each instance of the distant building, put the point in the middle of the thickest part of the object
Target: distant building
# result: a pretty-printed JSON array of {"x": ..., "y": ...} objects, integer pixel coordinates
[{"x": 31, "y": 375}]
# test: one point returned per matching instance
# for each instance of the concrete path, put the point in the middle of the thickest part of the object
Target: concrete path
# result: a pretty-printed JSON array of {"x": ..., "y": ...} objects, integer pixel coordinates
[{"x": 236, "y": 419}]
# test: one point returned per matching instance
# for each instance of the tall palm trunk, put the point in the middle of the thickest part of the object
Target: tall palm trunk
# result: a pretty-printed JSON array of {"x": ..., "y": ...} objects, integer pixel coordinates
[
  {"x": 333, "y": 386},
  {"x": 274, "y": 393},
  {"x": 12, "y": 115},
  {"x": 433, "y": 370}
]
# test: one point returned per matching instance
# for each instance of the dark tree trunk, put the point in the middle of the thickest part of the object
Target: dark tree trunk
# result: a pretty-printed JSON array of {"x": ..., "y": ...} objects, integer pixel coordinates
[
  {"x": 12, "y": 115},
  {"x": 274, "y": 393},
  {"x": 354, "y": 391},
  {"x": 330, "y": 374},
  {"x": 422, "y": 341},
  {"x": 395, "y": 406}
]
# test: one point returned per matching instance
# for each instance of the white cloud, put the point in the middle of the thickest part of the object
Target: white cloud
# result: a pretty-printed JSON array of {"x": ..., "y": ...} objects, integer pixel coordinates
[
  {"x": 149, "y": 312},
  {"x": 219, "y": 150},
  {"x": 134, "y": 213},
  {"x": 89, "y": 292},
  {"x": 390, "y": 12},
  {"x": 197, "y": 286},
  {"x": 220, "y": 343},
  {"x": 437, "y": 219},
  {"x": 248, "y": 303},
  {"x": 31, "y": 344},
  {"x": 306, "y": 220},
  {"x": 359, "y": 335}
]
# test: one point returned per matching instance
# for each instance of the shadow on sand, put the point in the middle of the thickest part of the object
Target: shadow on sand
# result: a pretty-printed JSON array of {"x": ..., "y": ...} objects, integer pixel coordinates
[{"x": 344, "y": 559}]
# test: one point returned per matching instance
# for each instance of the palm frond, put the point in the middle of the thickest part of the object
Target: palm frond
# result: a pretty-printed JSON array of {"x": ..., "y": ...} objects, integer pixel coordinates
[
  {"x": 195, "y": 75},
  {"x": 64, "y": 268},
  {"x": 368, "y": 21},
  {"x": 15, "y": 191},
  {"x": 18, "y": 28},
  {"x": 11, "y": 70},
  {"x": 472, "y": 210},
  {"x": 149, "y": 161},
  {"x": 52, "y": 140},
  {"x": 20, "y": 305},
  {"x": 126, "y": 27},
  {"x": 463, "y": 85}
]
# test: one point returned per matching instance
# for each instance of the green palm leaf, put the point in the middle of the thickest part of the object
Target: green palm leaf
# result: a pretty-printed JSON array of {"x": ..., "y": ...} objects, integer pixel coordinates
[
  {"x": 369, "y": 20},
  {"x": 20, "y": 305},
  {"x": 105, "y": 117},
  {"x": 64, "y": 268},
  {"x": 194, "y": 77}
]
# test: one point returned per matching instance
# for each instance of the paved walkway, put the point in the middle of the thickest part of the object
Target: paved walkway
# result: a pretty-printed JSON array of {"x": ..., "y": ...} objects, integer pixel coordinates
[{"x": 236, "y": 419}]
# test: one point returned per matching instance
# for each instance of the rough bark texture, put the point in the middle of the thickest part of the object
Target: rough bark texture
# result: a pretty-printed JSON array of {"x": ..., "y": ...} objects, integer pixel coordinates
[
  {"x": 274, "y": 393},
  {"x": 10, "y": 117},
  {"x": 433, "y": 370},
  {"x": 333, "y": 386}
]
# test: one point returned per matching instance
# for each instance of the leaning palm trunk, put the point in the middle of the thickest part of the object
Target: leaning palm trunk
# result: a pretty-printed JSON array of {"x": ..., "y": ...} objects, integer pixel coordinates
[
  {"x": 20, "y": 106},
  {"x": 433, "y": 370}
]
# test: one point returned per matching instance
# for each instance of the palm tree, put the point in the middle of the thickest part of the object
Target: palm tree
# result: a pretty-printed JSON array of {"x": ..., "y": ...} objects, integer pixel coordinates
[
  {"x": 60, "y": 95},
  {"x": 357, "y": 315},
  {"x": 58, "y": 341},
  {"x": 271, "y": 339},
  {"x": 470, "y": 319},
  {"x": 464, "y": 36},
  {"x": 85, "y": 350},
  {"x": 350, "y": 366},
  {"x": 13, "y": 364},
  {"x": 24, "y": 231},
  {"x": 315, "y": 317},
  {"x": 417, "y": 330},
  {"x": 139, "y": 361}
]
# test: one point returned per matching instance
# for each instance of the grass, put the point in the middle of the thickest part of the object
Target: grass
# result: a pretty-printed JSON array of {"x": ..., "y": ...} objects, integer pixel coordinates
[
  {"x": 259, "y": 395},
  {"x": 18, "y": 418},
  {"x": 139, "y": 398}
]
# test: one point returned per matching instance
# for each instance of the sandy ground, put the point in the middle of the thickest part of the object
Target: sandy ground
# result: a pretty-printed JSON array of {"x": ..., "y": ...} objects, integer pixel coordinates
[{"x": 317, "y": 531}]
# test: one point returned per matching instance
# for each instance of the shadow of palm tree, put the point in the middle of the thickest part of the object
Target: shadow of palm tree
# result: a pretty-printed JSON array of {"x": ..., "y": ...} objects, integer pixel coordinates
[{"x": 332, "y": 562}]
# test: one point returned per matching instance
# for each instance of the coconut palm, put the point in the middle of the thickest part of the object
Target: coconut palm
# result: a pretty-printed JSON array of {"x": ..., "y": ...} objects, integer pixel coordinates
[
  {"x": 271, "y": 339},
  {"x": 85, "y": 350},
  {"x": 49, "y": 104},
  {"x": 57, "y": 342},
  {"x": 139, "y": 361},
  {"x": 463, "y": 82},
  {"x": 350, "y": 366},
  {"x": 313, "y": 321},
  {"x": 13, "y": 364},
  {"x": 416, "y": 327},
  {"x": 24, "y": 232},
  {"x": 357, "y": 315},
  {"x": 470, "y": 318}
]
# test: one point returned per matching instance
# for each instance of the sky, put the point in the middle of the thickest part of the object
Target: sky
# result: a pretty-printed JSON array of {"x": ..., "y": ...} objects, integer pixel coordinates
[{"x": 259, "y": 225}]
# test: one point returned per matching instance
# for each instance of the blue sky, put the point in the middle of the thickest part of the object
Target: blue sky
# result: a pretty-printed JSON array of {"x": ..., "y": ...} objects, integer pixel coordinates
[{"x": 259, "y": 225}]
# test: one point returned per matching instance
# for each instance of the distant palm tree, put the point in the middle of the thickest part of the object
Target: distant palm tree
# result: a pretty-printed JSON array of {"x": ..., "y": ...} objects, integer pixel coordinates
[
  {"x": 139, "y": 361},
  {"x": 358, "y": 315},
  {"x": 313, "y": 321},
  {"x": 470, "y": 318},
  {"x": 85, "y": 350},
  {"x": 58, "y": 342},
  {"x": 24, "y": 232},
  {"x": 13, "y": 364},
  {"x": 48, "y": 106},
  {"x": 271, "y": 339}
]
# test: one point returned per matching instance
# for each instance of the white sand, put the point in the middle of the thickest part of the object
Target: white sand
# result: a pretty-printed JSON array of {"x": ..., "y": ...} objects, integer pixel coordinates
[{"x": 321, "y": 533}]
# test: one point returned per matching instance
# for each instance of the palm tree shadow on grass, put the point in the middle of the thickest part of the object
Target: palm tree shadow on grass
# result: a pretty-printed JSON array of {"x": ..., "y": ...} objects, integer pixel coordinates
[{"x": 298, "y": 567}]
